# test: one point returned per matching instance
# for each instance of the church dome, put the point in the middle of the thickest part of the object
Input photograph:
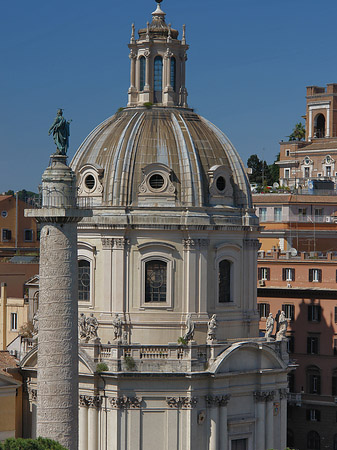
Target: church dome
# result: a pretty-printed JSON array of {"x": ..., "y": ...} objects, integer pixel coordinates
[{"x": 160, "y": 156}]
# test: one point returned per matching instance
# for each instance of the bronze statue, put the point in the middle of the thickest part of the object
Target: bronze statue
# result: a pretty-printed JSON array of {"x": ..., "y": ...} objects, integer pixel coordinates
[{"x": 61, "y": 133}]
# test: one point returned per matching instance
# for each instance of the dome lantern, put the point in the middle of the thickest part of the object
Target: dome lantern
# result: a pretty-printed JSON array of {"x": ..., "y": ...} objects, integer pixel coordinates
[{"x": 157, "y": 64}]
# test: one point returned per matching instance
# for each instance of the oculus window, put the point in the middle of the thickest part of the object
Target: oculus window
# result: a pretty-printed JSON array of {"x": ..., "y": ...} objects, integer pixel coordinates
[
  {"x": 155, "y": 281},
  {"x": 83, "y": 280},
  {"x": 225, "y": 281}
]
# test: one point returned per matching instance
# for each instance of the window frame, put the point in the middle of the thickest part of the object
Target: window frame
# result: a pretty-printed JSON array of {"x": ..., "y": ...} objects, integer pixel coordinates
[
  {"x": 32, "y": 235},
  {"x": 168, "y": 259},
  {"x": 263, "y": 306},
  {"x": 230, "y": 281},
  {"x": 264, "y": 273},
  {"x": 315, "y": 275},
  {"x": 313, "y": 345},
  {"x": 288, "y": 274},
  {"x": 263, "y": 214},
  {"x": 14, "y": 321},
  {"x": 289, "y": 310},
  {"x": 314, "y": 313},
  {"x": 277, "y": 214},
  {"x": 232, "y": 253},
  {"x": 313, "y": 375},
  {"x": 86, "y": 302},
  {"x": 162, "y": 266},
  {"x": 5, "y": 232}
]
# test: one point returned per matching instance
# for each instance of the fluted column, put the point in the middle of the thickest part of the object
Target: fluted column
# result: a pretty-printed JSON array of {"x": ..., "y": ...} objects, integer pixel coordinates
[
  {"x": 223, "y": 438},
  {"x": 190, "y": 274},
  {"x": 185, "y": 404},
  {"x": 270, "y": 420},
  {"x": 94, "y": 403},
  {"x": 118, "y": 274},
  {"x": 107, "y": 246},
  {"x": 260, "y": 420},
  {"x": 283, "y": 418},
  {"x": 147, "y": 54},
  {"x": 83, "y": 423},
  {"x": 132, "y": 57}
]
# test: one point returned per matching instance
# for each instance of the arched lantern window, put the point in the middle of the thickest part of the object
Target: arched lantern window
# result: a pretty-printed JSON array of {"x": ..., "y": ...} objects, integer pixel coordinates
[
  {"x": 173, "y": 73},
  {"x": 158, "y": 79},
  {"x": 142, "y": 66}
]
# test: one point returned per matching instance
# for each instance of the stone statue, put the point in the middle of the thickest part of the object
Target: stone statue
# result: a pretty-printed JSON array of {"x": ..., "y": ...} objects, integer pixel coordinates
[
  {"x": 190, "y": 325},
  {"x": 269, "y": 326},
  {"x": 88, "y": 327},
  {"x": 82, "y": 324},
  {"x": 283, "y": 325},
  {"x": 118, "y": 328},
  {"x": 61, "y": 133},
  {"x": 212, "y": 326},
  {"x": 92, "y": 324},
  {"x": 36, "y": 323}
]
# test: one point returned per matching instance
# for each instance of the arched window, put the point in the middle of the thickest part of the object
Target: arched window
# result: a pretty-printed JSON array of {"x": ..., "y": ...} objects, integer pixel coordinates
[
  {"x": 142, "y": 68},
  {"x": 155, "y": 281},
  {"x": 224, "y": 281},
  {"x": 313, "y": 441},
  {"x": 83, "y": 280},
  {"x": 173, "y": 73},
  {"x": 158, "y": 79},
  {"x": 319, "y": 126},
  {"x": 313, "y": 380},
  {"x": 35, "y": 302},
  {"x": 291, "y": 381}
]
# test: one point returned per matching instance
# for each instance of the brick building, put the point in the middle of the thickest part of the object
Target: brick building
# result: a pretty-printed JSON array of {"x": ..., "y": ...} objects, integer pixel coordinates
[
  {"x": 17, "y": 232},
  {"x": 315, "y": 158},
  {"x": 304, "y": 287}
]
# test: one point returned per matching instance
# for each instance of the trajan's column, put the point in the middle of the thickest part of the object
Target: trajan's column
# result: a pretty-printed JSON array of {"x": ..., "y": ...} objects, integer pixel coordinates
[{"x": 57, "y": 380}]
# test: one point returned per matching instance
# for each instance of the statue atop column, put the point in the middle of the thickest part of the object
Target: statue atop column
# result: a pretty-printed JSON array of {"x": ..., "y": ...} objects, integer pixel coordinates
[
  {"x": 283, "y": 325},
  {"x": 190, "y": 326},
  {"x": 212, "y": 326},
  {"x": 269, "y": 326},
  {"x": 61, "y": 132}
]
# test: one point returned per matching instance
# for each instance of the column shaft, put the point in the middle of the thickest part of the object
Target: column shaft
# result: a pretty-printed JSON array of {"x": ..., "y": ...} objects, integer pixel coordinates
[
  {"x": 223, "y": 430},
  {"x": 269, "y": 425},
  {"x": 260, "y": 425},
  {"x": 93, "y": 429},
  {"x": 214, "y": 423},
  {"x": 83, "y": 428}
]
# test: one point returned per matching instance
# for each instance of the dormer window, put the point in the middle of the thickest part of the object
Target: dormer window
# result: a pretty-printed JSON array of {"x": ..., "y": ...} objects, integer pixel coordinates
[
  {"x": 220, "y": 183},
  {"x": 156, "y": 187},
  {"x": 220, "y": 189},
  {"x": 89, "y": 182}
]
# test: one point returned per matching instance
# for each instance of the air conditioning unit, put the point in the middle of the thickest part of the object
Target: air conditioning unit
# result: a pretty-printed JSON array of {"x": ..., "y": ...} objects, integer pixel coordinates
[
  {"x": 328, "y": 219},
  {"x": 262, "y": 283}
]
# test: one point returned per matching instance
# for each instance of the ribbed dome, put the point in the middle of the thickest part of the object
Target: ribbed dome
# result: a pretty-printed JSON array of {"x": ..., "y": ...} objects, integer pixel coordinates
[{"x": 190, "y": 146}]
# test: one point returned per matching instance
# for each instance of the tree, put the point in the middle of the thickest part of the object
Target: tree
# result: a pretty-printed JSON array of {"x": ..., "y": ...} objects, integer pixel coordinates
[
  {"x": 255, "y": 164},
  {"x": 274, "y": 171},
  {"x": 298, "y": 133}
]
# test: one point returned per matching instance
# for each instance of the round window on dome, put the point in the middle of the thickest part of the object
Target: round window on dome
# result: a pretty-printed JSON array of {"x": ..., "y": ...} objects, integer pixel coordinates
[
  {"x": 156, "y": 181},
  {"x": 220, "y": 184},
  {"x": 89, "y": 182}
]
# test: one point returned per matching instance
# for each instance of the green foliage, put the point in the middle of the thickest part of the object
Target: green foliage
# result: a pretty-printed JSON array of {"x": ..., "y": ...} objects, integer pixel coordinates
[
  {"x": 129, "y": 362},
  {"x": 298, "y": 133},
  {"x": 148, "y": 105},
  {"x": 23, "y": 194},
  {"x": 262, "y": 173},
  {"x": 31, "y": 444},
  {"x": 182, "y": 341},
  {"x": 101, "y": 367}
]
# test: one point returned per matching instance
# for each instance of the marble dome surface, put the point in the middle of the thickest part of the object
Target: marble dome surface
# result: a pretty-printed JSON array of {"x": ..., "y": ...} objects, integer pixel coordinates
[{"x": 122, "y": 146}]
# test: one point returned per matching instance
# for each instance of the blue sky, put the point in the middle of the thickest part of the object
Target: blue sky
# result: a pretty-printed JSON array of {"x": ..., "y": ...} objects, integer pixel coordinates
[{"x": 248, "y": 65}]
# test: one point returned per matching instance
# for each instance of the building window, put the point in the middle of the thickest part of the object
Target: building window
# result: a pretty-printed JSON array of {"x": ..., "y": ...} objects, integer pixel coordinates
[
  {"x": 289, "y": 311},
  {"x": 83, "y": 280},
  {"x": 336, "y": 306},
  {"x": 239, "y": 444},
  {"x": 319, "y": 214},
  {"x": 315, "y": 275},
  {"x": 155, "y": 281},
  {"x": 287, "y": 152},
  {"x": 142, "y": 68},
  {"x": 291, "y": 344},
  {"x": 278, "y": 214},
  {"x": 319, "y": 126},
  {"x": 14, "y": 321},
  {"x": 28, "y": 235},
  {"x": 314, "y": 313},
  {"x": 306, "y": 172},
  {"x": 264, "y": 273},
  {"x": 314, "y": 415},
  {"x": 173, "y": 73},
  {"x": 334, "y": 382},
  {"x": 158, "y": 79},
  {"x": 225, "y": 281},
  {"x": 264, "y": 309},
  {"x": 288, "y": 274},
  {"x": 313, "y": 380},
  {"x": 328, "y": 171},
  {"x": 312, "y": 345},
  {"x": 302, "y": 214},
  {"x": 263, "y": 214},
  {"x": 6, "y": 235},
  {"x": 313, "y": 441},
  {"x": 286, "y": 173}
]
